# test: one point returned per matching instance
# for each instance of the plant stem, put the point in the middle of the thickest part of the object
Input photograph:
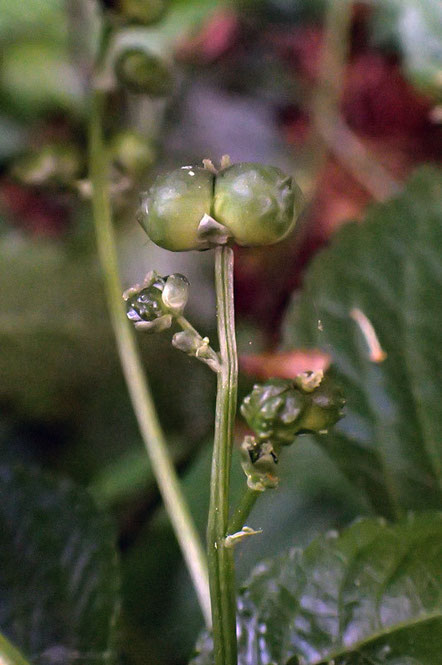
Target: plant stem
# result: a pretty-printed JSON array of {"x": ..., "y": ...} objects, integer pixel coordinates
[
  {"x": 9, "y": 654},
  {"x": 242, "y": 510},
  {"x": 330, "y": 128},
  {"x": 220, "y": 558},
  {"x": 138, "y": 387}
]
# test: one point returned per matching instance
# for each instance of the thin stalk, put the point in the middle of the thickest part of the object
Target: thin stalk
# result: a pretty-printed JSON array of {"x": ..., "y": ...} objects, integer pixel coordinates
[
  {"x": 220, "y": 558},
  {"x": 138, "y": 387},
  {"x": 9, "y": 654},
  {"x": 330, "y": 130},
  {"x": 242, "y": 510}
]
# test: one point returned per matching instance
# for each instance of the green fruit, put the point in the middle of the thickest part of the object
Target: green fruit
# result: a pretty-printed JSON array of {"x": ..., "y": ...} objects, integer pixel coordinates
[
  {"x": 258, "y": 204},
  {"x": 143, "y": 72},
  {"x": 273, "y": 410},
  {"x": 171, "y": 211},
  {"x": 324, "y": 408}
]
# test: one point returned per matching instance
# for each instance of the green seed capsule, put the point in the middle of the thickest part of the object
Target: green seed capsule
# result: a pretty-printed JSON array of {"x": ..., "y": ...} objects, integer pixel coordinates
[
  {"x": 143, "y": 72},
  {"x": 258, "y": 204},
  {"x": 172, "y": 210}
]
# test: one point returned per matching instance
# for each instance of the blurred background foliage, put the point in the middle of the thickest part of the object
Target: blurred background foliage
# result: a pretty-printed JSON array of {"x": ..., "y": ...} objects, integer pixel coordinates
[{"x": 253, "y": 79}]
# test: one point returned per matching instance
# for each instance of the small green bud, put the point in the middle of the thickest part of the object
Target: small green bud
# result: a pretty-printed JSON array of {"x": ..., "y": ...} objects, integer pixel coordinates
[
  {"x": 172, "y": 210},
  {"x": 51, "y": 165},
  {"x": 144, "y": 12},
  {"x": 191, "y": 343},
  {"x": 308, "y": 381},
  {"x": 176, "y": 293},
  {"x": 324, "y": 407},
  {"x": 131, "y": 152},
  {"x": 145, "y": 307},
  {"x": 152, "y": 305},
  {"x": 259, "y": 204},
  {"x": 143, "y": 72},
  {"x": 258, "y": 460}
]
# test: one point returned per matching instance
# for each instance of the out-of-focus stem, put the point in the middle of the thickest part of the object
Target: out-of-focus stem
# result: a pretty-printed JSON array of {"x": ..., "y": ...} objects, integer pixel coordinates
[
  {"x": 329, "y": 126},
  {"x": 9, "y": 654},
  {"x": 150, "y": 428}
]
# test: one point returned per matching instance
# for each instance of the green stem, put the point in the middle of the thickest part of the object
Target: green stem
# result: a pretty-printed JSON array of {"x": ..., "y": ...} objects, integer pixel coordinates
[
  {"x": 186, "y": 325},
  {"x": 138, "y": 387},
  {"x": 9, "y": 654},
  {"x": 242, "y": 510},
  {"x": 220, "y": 558},
  {"x": 210, "y": 356}
]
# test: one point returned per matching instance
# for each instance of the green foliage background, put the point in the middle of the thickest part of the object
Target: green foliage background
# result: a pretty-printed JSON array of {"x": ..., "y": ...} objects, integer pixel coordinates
[{"x": 89, "y": 567}]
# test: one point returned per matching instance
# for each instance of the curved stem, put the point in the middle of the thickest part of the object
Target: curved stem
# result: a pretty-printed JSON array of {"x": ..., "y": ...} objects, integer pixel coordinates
[
  {"x": 206, "y": 354},
  {"x": 242, "y": 510},
  {"x": 186, "y": 325},
  {"x": 220, "y": 558},
  {"x": 138, "y": 387},
  {"x": 9, "y": 654}
]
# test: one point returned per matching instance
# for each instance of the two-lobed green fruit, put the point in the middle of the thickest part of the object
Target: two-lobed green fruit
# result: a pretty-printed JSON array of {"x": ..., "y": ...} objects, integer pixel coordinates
[{"x": 257, "y": 204}]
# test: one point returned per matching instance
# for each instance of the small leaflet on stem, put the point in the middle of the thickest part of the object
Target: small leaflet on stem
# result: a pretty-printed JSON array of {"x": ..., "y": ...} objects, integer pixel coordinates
[{"x": 237, "y": 537}]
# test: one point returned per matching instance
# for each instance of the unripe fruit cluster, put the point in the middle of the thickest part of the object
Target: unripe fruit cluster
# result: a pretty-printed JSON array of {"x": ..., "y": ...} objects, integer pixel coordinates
[
  {"x": 281, "y": 409},
  {"x": 254, "y": 203}
]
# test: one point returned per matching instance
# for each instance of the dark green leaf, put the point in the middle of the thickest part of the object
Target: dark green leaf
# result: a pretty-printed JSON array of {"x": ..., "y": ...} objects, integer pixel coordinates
[
  {"x": 372, "y": 596},
  {"x": 58, "y": 571},
  {"x": 389, "y": 442}
]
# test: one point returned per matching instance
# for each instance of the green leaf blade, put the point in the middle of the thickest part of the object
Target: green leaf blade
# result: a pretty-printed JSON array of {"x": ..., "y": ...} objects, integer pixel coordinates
[
  {"x": 58, "y": 570},
  {"x": 370, "y": 596},
  {"x": 389, "y": 443}
]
